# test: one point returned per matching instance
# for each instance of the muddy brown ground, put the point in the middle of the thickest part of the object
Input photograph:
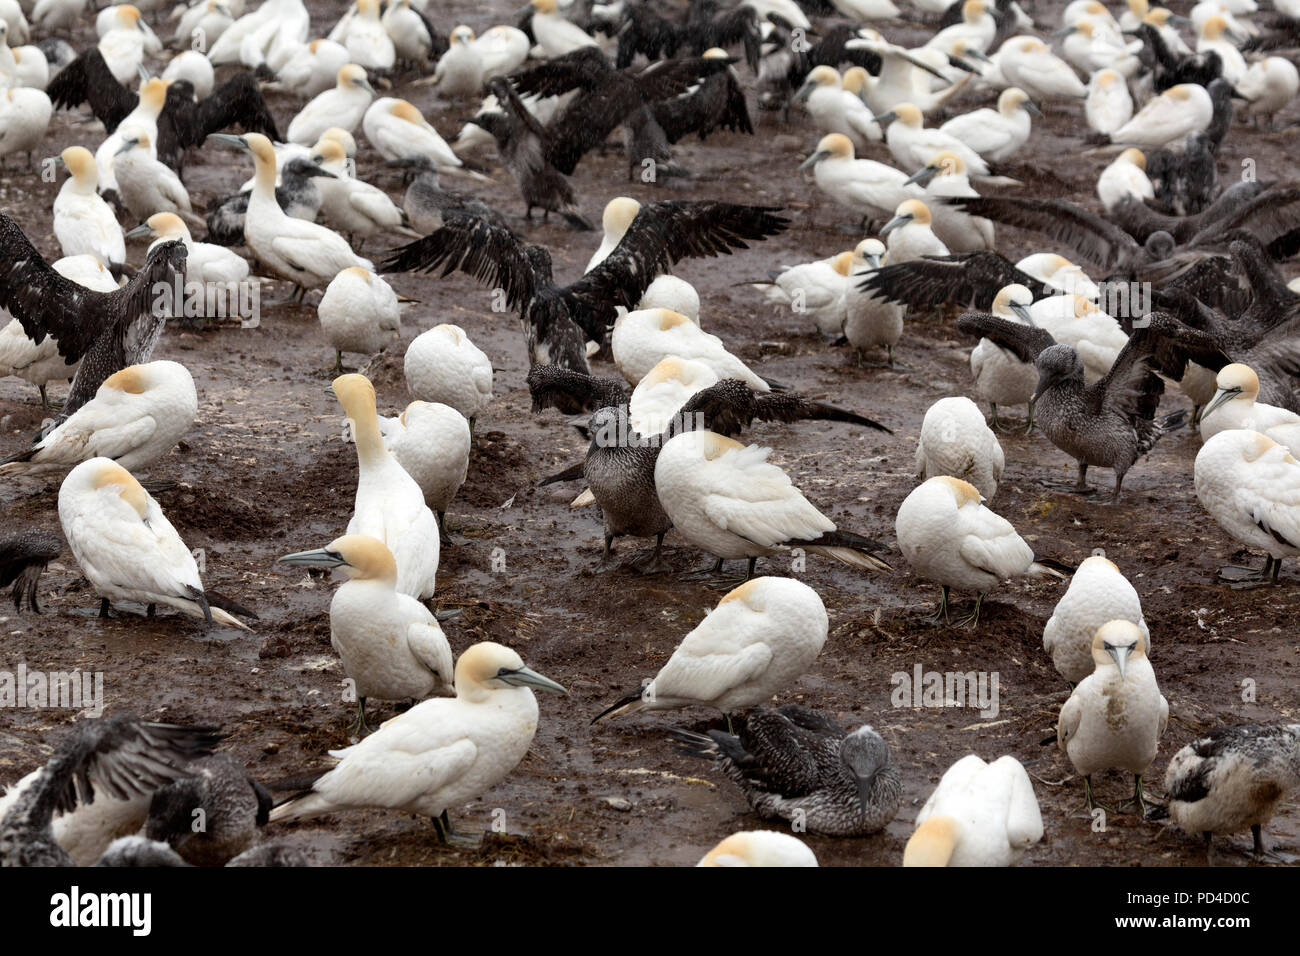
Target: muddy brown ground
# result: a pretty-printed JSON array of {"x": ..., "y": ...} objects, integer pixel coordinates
[{"x": 264, "y": 471}]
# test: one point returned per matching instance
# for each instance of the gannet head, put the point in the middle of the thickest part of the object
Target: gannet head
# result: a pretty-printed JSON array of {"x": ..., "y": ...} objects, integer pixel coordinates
[
  {"x": 843, "y": 263},
  {"x": 1098, "y": 561},
  {"x": 360, "y": 557},
  {"x": 104, "y": 473},
  {"x": 855, "y": 80},
  {"x": 904, "y": 113},
  {"x": 1084, "y": 308},
  {"x": 81, "y": 164},
  {"x": 618, "y": 215},
  {"x": 1057, "y": 363},
  {"x": 356, "y": 394},
  {"x": 127, "y": 17},
  {"x": 831, "y": 146},
  {"x": 1084, "y": 27},
  {"x": 328, "y": 151},
  {"x": 136, "y": 139},
  {"x": 963, "y": 492},
  {"x": 865, "y": 754},
  {"x": 360, "y": 272},
  {"x": 1214, "y": 27},
  {"x": 488, "y": 667},
  {"x": 972, "y": 10},
  {"x": 1014, "y": 98},
  {"x": 1138, "y": 8},
  {"x": 933, "y": 842},
  {"x": 759, "y": 848},
  {"x": 668, "y": 291},
  {"x": 1106, "y": 78},
  {"x": 909, "y": 212},
  {"x": 368, "y": 9},
  {"x": 168, "y": 225},
  {"x": 665, "y": 319},
  {"x": 945, "y": 162},
  {"x": 1117, "y": 643},
  {"x": 1013, "y": 301},
  {"x": 154, "y": 94},
  {"x": 715, "y": 53},
  {"x": 713, "y": 446},
  {"x": 461, "y": 36},
  {"x": 353, "y": 77},
  {"x": 1232, "y": 381},
  {"x": 340, "y": 136},
  {"x": 869, "y": 252},
  {"x": 1158, "y": 17},
  {"x": 1134, "y": 156},
  {"x": 543, "y": 6}
]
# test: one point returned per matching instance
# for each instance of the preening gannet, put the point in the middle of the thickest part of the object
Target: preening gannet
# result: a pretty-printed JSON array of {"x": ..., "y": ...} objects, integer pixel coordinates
[
  {"x": 644, "y": 338},
  {"x": 127, "y": 547},
  {"x": 1098, "y": 593},
  {"x": 194, "y": 68},
  {"x": 234, "y": 806},
  {"x": 470, "y": 61},
  {"x": 441, "y": 753},
  {"x": 83, "y": 223},
  {"x": 663, "y": 391},
  {"x": 980, "y": 814},
  {"x": 815, "y": 290},
  {"x": 431, "y": 441},
  {"x": 443, "y": 365},
  {"x": 996, "y": 134},
  {"x": 760, "y": 847},
  {"x": 24, "y": 117},
  {"x": 1116, "y": 716},
  {"x": 796, "y": 764},
  {"x": 912, "y": 145},
  {"x": 1179, "y": 110},
  {"x": 1109, "y": 104},
  {"x": 367, "y": 41},
  {"x": 1236, "y": 405},
  {"x": 389, "y": 504},
  {"x": 399, "y": 131},
  {"x": 312, "y": 69},
  {"x": 342, "y": 106},
  {"x": 205, "y": 262},
  {"x": 414, "y": 38},
  {"x": 137, "y": 416},
  {"x": 677, "y": 295},
  {"x": 358, "y": 313},
  {"x": 760, "y": 638},
  {"x": 391, "y": 644},
  {"x": 1250, "y": 485},
  {"x": 1027, "y": 62},
  {"x": 956, "y": 442},
  {"x": 1125, "y": 179},
  {"x": 950, "y": 538}
]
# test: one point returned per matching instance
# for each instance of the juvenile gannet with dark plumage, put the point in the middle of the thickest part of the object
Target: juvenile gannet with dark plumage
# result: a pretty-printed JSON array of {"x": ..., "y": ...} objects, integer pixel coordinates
[
  {"x": 1233, "y": 778},
  {"x": 137, "y": 416},
  {"x": 1236, "y": 405},
  {"x": 1250, "y": 485},
  {"x": 980, "y": 814},
  {"x": 796, "y": 764},
  {"x": 389, "y": 504},
  {"x": 950, "y": 538},
  {"x": 24, "y": 556},
  {"x": 440, "y": 754},
  {"x": 233, "y": 807},
  {"x": 83, "y": 223},
  {"x": 1098, "y": 593},
  {"x": 443, "y": 365},
  {"x": 343, "y": 106},
  {"x": 126, "y": 546},
  {"x": 359, "y": 312},
  {"x": 1116, "y": 716},
  {"x": 760, "y": 638},
  {"x": 955, "y": 441},
  {"x": 391, "y": 644},
  {"x": 760, "y": 848},
  {"x": 431, "y": 441}
]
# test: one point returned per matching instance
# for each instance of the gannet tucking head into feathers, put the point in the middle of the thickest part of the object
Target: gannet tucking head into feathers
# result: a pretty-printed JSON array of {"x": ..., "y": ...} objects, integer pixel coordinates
[{"x": 760, "y": 848}]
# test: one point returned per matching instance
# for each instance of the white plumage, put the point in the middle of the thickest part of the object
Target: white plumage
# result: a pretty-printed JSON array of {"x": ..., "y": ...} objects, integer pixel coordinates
[
  {"x": 205, "y": 262},
  {"x": 1236, "y": 405},
  {"x": 995, "y": 134},
  {"x": 642, "y": 339},
  {"x": 343, "y": 106},
  {"x": 1168, "y": 118},
  {"x": 359, "y": 313},
  {"x": 980, "y": 814},
  {"x": 443, "y": 365},
  {"x": 431, "y": 442},
  {"x": 399, "y": 131},
  {"x": 83, "y": 223},
  {"x": 1250, "y": 485},
  {"x": 955, "y": 441},
  {"x": 762, "y": 847},
  {"x": 1098, "y": 593},
  {"x": 664, "y": 390}
]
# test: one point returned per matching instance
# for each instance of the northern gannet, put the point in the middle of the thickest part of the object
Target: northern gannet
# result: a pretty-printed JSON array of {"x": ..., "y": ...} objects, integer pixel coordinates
[
  {"x": 996, "y": 134},
  {"x": 358, "y": 313},
  {"x": 143, "y": 118},
  {"x": 1233, "y": 778},
  {"x": 126, "y": 546},
  {"x": 761, "y": 847},
  {"x": 760, "y": 638},
  {"x": 1098, "y": 593},
  {"x": 391, "y": 645},
  {"x": 980, "y": 814},
  {"x": 1109, "y": 104},
  {"x": 268, "y": 36},
  {"x": 1216, "y": 35},
  {"x": 24, "y": 118},
  {"x": 389, "y": 504},
  {"x": 122, "y": 46},
  {"x": 399, "y": 131},
  {"x": 663, "y": 391},
  {"x": 944, "y": 177},
  {"x": 950, "y": 538},
  {"x": 1090, "y": 45},
  {"x": 1250, "y": 485},
  {"x": 955, "y": 441},
  {"x": 813, "y": 290},
  {"x": 137, "y": 416},
  {"x": 727, "y": 499},
  {"x": 644, "y": 338},
  {"x": 83, "y": 222},
  {"x": 304, "y": 253},
  {"x": 442, "y": 365},
  {"x": 414, "y": 37},
  {"x": 865, "y": 186},
  {"x": 554, "y": 34},
  {"x": 204, "y": 261},
  {"x": 442, "y": 753},
  {"x": 53, "y": 16},
  {"x": 673, "y": 293},
  {"x": 233, "y": 806},
  {"x": 210, "y": 18},
  {"x": 1268, "y": 85},
  {"x": 313, "y": 69},
  {"x": 367, "y": 40},
  {"x": 1236, "y": 405},
  {"x": 470, "y": 61},
  {"x": 909, "y": 234},
  {"x": 835, "y": 109},
  {"x": 977, "y": 28},
  {"x": 1116, "y": 716},
  {"x": 1075, "y": 321},
  {"x": 194, "y": 68},
  {"x": 1179, "y": 110},
  {"x": 912, "y": 145},
  {"x": 1125, "y": 179},
  {"x": 796, "y": 764},
  {"x": 870, "y": 321},
  {"x": 431, "y": 441},
  {"x": 350, "y": 205},
  {"x": 342, "y": 106},
  {"x": 1001, "y": 377},
  {"x": 145, "y": 185},
  {"x": 1027, "y": 62},
  {"x": 24, "y": 556}
]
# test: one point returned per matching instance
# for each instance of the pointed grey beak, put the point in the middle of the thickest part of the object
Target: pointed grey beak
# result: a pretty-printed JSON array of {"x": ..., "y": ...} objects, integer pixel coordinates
[
  {"x": 1031, "y": 109},
  {"x": 140, "y": 230},
  {"x": 978, "y": 55},
  {"x": 127, "y": 146},
  {"x": 864, "y": 791},
  {"x": 887, "y": 117},
  {"x": 922, "y": 175},
  {"x": 804, "y": 92},
  {"x": 227, "y": 139},
  {"x": 526, "y": 677},
  {"x": 815, "y": 158},
  {"x": 1064, "y": 31},
  {"x": 1180, "y": 21},
  {"x": 1044, "y": 383},
  {"x": 873, "y": 261},
  {"x": 1022, "y": 311},
  {"x": 329, "y": 390},
  {"x": 144, "y": 74},
  {"x": 317, "y": 558},
  {"x": 1222, "y": 396},
  {"x": 894, "y": 224},
  {"x": 1120, "y": 656}
]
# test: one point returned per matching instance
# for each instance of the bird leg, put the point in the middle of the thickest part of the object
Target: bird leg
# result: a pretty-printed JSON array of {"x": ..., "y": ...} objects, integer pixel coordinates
[
  {"x": 973, "y": 618},
  {"x": 1137, "y": 797},
  {"x": 103, "y": 608},
  {"x": 338, "y": 362},
  {"x": 997, "y": 425},
  {"x": 656, "y": 564},
  {"x": 941, "y": 613},
  {"x": 1079, "y": 487},
  {"x": 749, "y": 572},
  {"x": 1119, "y": 480},
  {"x": 1089, "y": 803},
  {"x": 732, "y": 730},
  {"x": 359, "y": 727},
  {"x": 1029, "y": 426},
  {"x": 452, "y": 837},
  {"x": 1246, "y": 578},
  {"x": 151, "y": 610}
]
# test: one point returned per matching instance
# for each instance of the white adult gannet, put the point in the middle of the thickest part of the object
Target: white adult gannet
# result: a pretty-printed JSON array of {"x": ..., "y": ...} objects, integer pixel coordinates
[
  {"x": 729, "y": 500},
  {"x": 313, "y": 69},
  {"x": 83, "y": 223},
  {"x": 642, "y": 339},
  {"x": 350, "y": 205},
  {"x": 1116, "y": 716},
  {"x": 398, "y": 131},
  {"x": 1168, "y": 118},
  {"x": 1235, "y": 405},
  {"x": 554, "y": 33},
  {"x": 442, "y": 753},
  {"x": 358, "y": 313},
  {"x": 126, "y": 546},
  {"x": 1091, "y": 45},
  {"x": 203, "y": 22},
  {"x": 53, "y": 16},
  {"x": 367, "y": 40},
  {"x": 1215, "y": 35},
  {"x": 996, "y": 134},
  {"x": 306, "y": 254},
  {"x": 870, "y": 322},
  {"x": 1109, "y": 105},
  {"x": 269, "y": 35},
  {"x": 670, "y": 292},
  {"x": 1250, "y": 485},
  {"x": 956, "y": 442},
  {"x": 443, "y": 365},
  {"x": 1028, "y": 63},
  {"x": 389, "y": 504},
  {"x": 905, "y": 75},
  {"x": 1269, "y": 85},
  {"x": 1000, "y": 377},
  {"x": 142, "y": 119},
  {"x": 193, "y": 67},
  {"x": 122, "y": 47},
  {"x": 908, "y": 235},
  {"x": 977, "y": 28},
  {"x": 664, "y": 390},
  {"x": 835, "y": 109},
  {"x": 865, "y": 186},
  {"x": 760, "y": 638},
  {"x": 390, "y": 643},
  {"x": 24, "y": 118},
  {"x": 471, "y": 61},
  {"x": 145, "y": 185},
  {"x": 980, "y": 814},
  {"x": 944, "y": 177},
  {"x": 1098, "y": 593},
  {"x": 912, "y": 145},
  {"x": 763, "y": 847},
  {"x": 137, "y": 416},
  {"x": 950, "y": 538},
  {"x": 1075, "y": 321},
  {"x": 615, "y": 220},
  {"x": 1060, "y": 273},
  {"x": 342, "y": 106},
  {"x": 815, "y": 290},
  {"x": 205, "y": 262},
  {"x": 1125, "y": 178},
  {"x": 412, "y": 42},
  {"x": 431, "y": 441}
]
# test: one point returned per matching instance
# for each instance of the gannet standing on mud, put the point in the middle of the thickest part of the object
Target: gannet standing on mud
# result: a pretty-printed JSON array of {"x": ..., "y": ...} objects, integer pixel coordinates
[
  {"x": 83, "y": 223},
  {"x": 955, "y": 441},
  {"x": 440, "y": 754},
  {"x": 391, "y": 644},
  {"x": 389, "y": 504},
  {"x": 980, "y": 814},
  {"x": 442, "y": 365},
  {"x": 431, "y": 441},
  {"x": 1098, "y": 593},
  {"x": 359, "y": 312},
  {"x": 126, "y": 546}
]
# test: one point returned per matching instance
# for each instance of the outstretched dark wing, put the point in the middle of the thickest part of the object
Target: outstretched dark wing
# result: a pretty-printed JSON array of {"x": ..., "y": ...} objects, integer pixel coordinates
[
  {"x": 553, "y": 387},
  {"x": 1269, "y": 217},
  {"x": 646, "y": 32},
  {"x": 1163, "y": 345},
  {"x": 664, "y": 233},
  {"x": 729, "y": 406},
  {"x": 726, "y": 29},
  {"x": 831, "y": 51},
  {"x": 1093, "y": 238},
  {"x": 968, "y": 280},
  {"x": 491, "y": 254},
  {"x": 1023, "y": 341},
  {"x": 583, "y": 69},
  {"x": 235, "y": 103},
  {"x": 718, "y": 102},
  {"x": 88, "y": 79}
]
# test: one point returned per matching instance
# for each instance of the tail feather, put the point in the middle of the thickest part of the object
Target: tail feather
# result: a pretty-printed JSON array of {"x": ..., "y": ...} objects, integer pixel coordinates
[
  {"x": 1051, "y": 568},
  {"x": 576, "y": 220},
  {"x": 829, "y": 413},
  {"x": 1173, "y": 421},
  {"x": 572, "y": 473},
  {"x": 226, "y": 604},
  {"x": 852, "y": 549},
  {"x": 630, "y": 704}
]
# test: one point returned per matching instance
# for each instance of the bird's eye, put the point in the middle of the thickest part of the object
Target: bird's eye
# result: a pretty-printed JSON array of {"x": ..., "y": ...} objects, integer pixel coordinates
[{"x": 503, "y": 672}]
